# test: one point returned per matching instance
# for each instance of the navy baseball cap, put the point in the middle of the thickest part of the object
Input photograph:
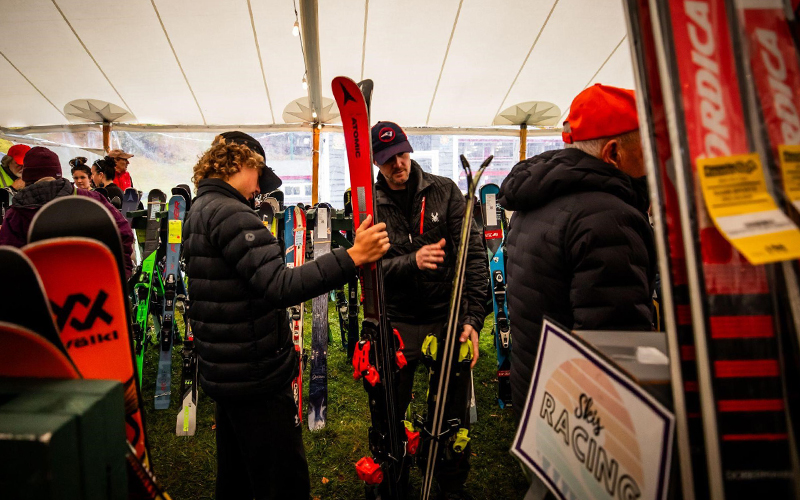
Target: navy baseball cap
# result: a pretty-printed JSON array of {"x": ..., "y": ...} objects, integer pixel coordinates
[
  {"x": 388, "y": 139},
  {"x": 267, "y": 181}
]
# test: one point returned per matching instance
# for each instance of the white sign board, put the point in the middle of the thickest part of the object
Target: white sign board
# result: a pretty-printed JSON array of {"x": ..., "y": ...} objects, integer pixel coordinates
[{"x": 588, "y": 430}]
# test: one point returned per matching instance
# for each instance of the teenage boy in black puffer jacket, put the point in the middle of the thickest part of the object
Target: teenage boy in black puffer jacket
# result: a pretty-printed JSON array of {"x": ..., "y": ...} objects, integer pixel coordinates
[
  {"x": 240, "y": 292},
  {"x": 580, "y": 247}
]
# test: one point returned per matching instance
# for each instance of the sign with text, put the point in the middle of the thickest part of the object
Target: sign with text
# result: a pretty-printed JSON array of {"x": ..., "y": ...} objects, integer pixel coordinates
[{"x": 588, "y": 430}]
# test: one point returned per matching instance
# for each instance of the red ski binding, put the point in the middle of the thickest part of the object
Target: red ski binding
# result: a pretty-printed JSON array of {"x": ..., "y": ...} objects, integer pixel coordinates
[
  {"x": 368, "y": 471},
  {"x": 362, "y": 366},
  {"x": 399, "y": 356}
]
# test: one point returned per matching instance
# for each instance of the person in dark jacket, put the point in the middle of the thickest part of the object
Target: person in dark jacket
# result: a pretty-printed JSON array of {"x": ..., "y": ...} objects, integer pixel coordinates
[
  {"x": 580, "y": 247},
  {"x": 240, "y": 290},
  {"x": 423, "y": 215},
  {"x": 44, "y": 183},
  {"x": 103, "y": 177}
]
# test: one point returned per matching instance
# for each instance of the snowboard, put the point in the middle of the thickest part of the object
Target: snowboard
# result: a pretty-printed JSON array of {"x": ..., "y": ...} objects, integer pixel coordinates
[
  {"x": 187, "y": 417},
  {"x": 130, "y": 202},
  {"x": 353, "y": 298},
  {"x": 493, "y": 233},
  {"x": 376, "y": 358},
  {"x": 295, "y": 242},
  {"x": 451, "y": 358},
  {"x": 176, "y": 211},
  {"x": 737, "y": 326},
  {"x": 318, "y": 376},
  {"x": 143, "y": 286}
]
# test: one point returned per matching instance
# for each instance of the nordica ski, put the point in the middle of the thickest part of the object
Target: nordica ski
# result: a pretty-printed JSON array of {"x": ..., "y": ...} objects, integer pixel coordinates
[
  {"x": 734, "y": 315},
  {"x": 187, "y": 417},
  {"x": 674, "y": 294},
  {"x": 450, "y": 359},
  {"x": 145, "y": 282},
  {"x": 318, "y": 378},
  {"x": 353, "y": 297},
  {"x": 295, "y": 241},
  {"x": 493, "y": 233},
  {"x": 176, "y": 211},
  {"x": 377, "y": 356}
]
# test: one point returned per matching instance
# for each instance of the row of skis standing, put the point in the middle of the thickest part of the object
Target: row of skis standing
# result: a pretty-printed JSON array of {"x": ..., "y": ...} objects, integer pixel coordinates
[
  {"x": 66, "y": 322},
  {"x": 717, "y": 78}
]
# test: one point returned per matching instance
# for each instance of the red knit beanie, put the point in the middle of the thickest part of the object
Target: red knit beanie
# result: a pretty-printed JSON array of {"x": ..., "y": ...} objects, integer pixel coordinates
[{"x": 40, "y": 162}]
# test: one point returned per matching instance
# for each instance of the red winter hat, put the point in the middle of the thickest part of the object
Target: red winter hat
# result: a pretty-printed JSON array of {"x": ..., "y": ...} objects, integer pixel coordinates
[
  {"x": 40, "y": 162},
  {"x": 17, "y": 152},
  {"x": 601, "y": 111}
]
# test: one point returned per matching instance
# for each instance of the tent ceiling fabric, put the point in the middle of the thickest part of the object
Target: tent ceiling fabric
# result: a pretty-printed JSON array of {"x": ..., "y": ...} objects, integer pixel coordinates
[{"x": 449, "y": 63}]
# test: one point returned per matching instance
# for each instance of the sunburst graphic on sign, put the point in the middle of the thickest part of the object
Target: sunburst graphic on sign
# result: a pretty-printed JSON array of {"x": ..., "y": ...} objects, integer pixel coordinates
[
  {"x": 532, "y": 113},
  {"x": 299, "y": 111},
  {"x": 96, "y": 111}
]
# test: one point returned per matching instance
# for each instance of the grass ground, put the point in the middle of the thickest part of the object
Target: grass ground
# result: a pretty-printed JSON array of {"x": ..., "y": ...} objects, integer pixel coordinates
[{"x": 187, "y": 466}]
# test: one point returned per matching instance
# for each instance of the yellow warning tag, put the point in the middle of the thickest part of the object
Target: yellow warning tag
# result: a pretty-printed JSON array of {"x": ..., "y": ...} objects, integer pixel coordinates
[
  {"x": 790, "y": 171},
  {"x": 738, "y": 202},
  {"x": 175, "y": 229}
]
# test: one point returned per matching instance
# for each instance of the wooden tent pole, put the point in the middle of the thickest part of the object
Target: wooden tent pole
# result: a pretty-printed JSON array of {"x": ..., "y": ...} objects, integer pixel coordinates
[
  {"x": 315, "y": 165},
  {"x": 106, "y": 137},
  {"x": 523, "y": 141}
]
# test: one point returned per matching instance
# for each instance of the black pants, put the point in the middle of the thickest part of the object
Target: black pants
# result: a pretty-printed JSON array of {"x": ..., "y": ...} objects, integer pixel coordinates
[
  {"x": 260, "y": 450},
  {"x": 451, "y": 474}
]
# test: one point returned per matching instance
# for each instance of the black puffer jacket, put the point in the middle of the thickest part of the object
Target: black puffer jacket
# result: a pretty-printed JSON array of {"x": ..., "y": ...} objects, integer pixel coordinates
[
  {"x": 240, "y": 290},
  {"x": 415, "y": 296},
  {"x": 580, "y": 251}
]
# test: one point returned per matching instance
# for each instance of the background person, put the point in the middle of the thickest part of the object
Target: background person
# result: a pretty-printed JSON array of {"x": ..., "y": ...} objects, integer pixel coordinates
[
  {"x": 121, "y": 163},
  {"x": 44, "y": 183},
  {"x": 11, "y": 168},
  {"x": 103, "y": 174},
  {"x": 81, "y": 172}
]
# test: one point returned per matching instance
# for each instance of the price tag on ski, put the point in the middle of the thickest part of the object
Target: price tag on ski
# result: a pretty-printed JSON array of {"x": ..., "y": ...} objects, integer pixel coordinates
[
  {"x": 588, "y": 430},
  {"x": 789, "y": 156},
  {"x": 175, "y": 230},
  {"x": 738, "y": 202}
]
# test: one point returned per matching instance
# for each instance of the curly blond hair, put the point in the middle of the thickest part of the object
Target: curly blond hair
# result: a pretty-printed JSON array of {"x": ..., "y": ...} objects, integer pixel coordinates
[{"x": 223, "y": 159}]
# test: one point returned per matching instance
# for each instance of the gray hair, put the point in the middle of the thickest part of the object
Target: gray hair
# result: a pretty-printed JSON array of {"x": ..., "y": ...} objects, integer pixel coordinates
[
  {"x": 594, "y": 147},
  {"x": 6, "y": 160}
]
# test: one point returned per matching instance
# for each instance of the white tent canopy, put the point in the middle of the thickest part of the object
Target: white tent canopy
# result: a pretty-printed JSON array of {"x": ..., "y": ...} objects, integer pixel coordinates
[{"x": 435, "y": 63}]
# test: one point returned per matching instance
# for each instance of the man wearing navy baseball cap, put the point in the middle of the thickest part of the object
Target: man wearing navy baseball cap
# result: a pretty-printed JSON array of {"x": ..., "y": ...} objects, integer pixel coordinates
[{"x": 423, "y": 215}]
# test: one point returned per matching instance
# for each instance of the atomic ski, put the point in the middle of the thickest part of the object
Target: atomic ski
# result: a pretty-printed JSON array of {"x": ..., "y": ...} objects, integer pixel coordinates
[
  {"x": 318, "y": 378},
  {"x": 295, "y": 242},
  {"x": 449, "y": 359},
  {"x": 377, "y": 356},
  {"x": 737, "y": 325},
  {"x": 176, "y": 212},
  {"x": 493, "y": 233}
]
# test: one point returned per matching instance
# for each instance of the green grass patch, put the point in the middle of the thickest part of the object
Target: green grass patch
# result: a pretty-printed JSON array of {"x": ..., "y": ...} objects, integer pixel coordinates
[{"x": 186, "y": 466}]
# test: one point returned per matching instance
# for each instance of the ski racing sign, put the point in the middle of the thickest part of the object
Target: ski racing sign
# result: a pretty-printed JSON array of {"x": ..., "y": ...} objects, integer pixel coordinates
[{"x": 588, "y": 430}]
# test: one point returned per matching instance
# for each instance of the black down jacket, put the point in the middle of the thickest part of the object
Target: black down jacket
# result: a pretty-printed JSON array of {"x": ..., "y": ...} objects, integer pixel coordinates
[
  {"x": 415, "y": 296},
  {"x": 240, "y": 290},
  {"x": 580, "y": 251}
]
